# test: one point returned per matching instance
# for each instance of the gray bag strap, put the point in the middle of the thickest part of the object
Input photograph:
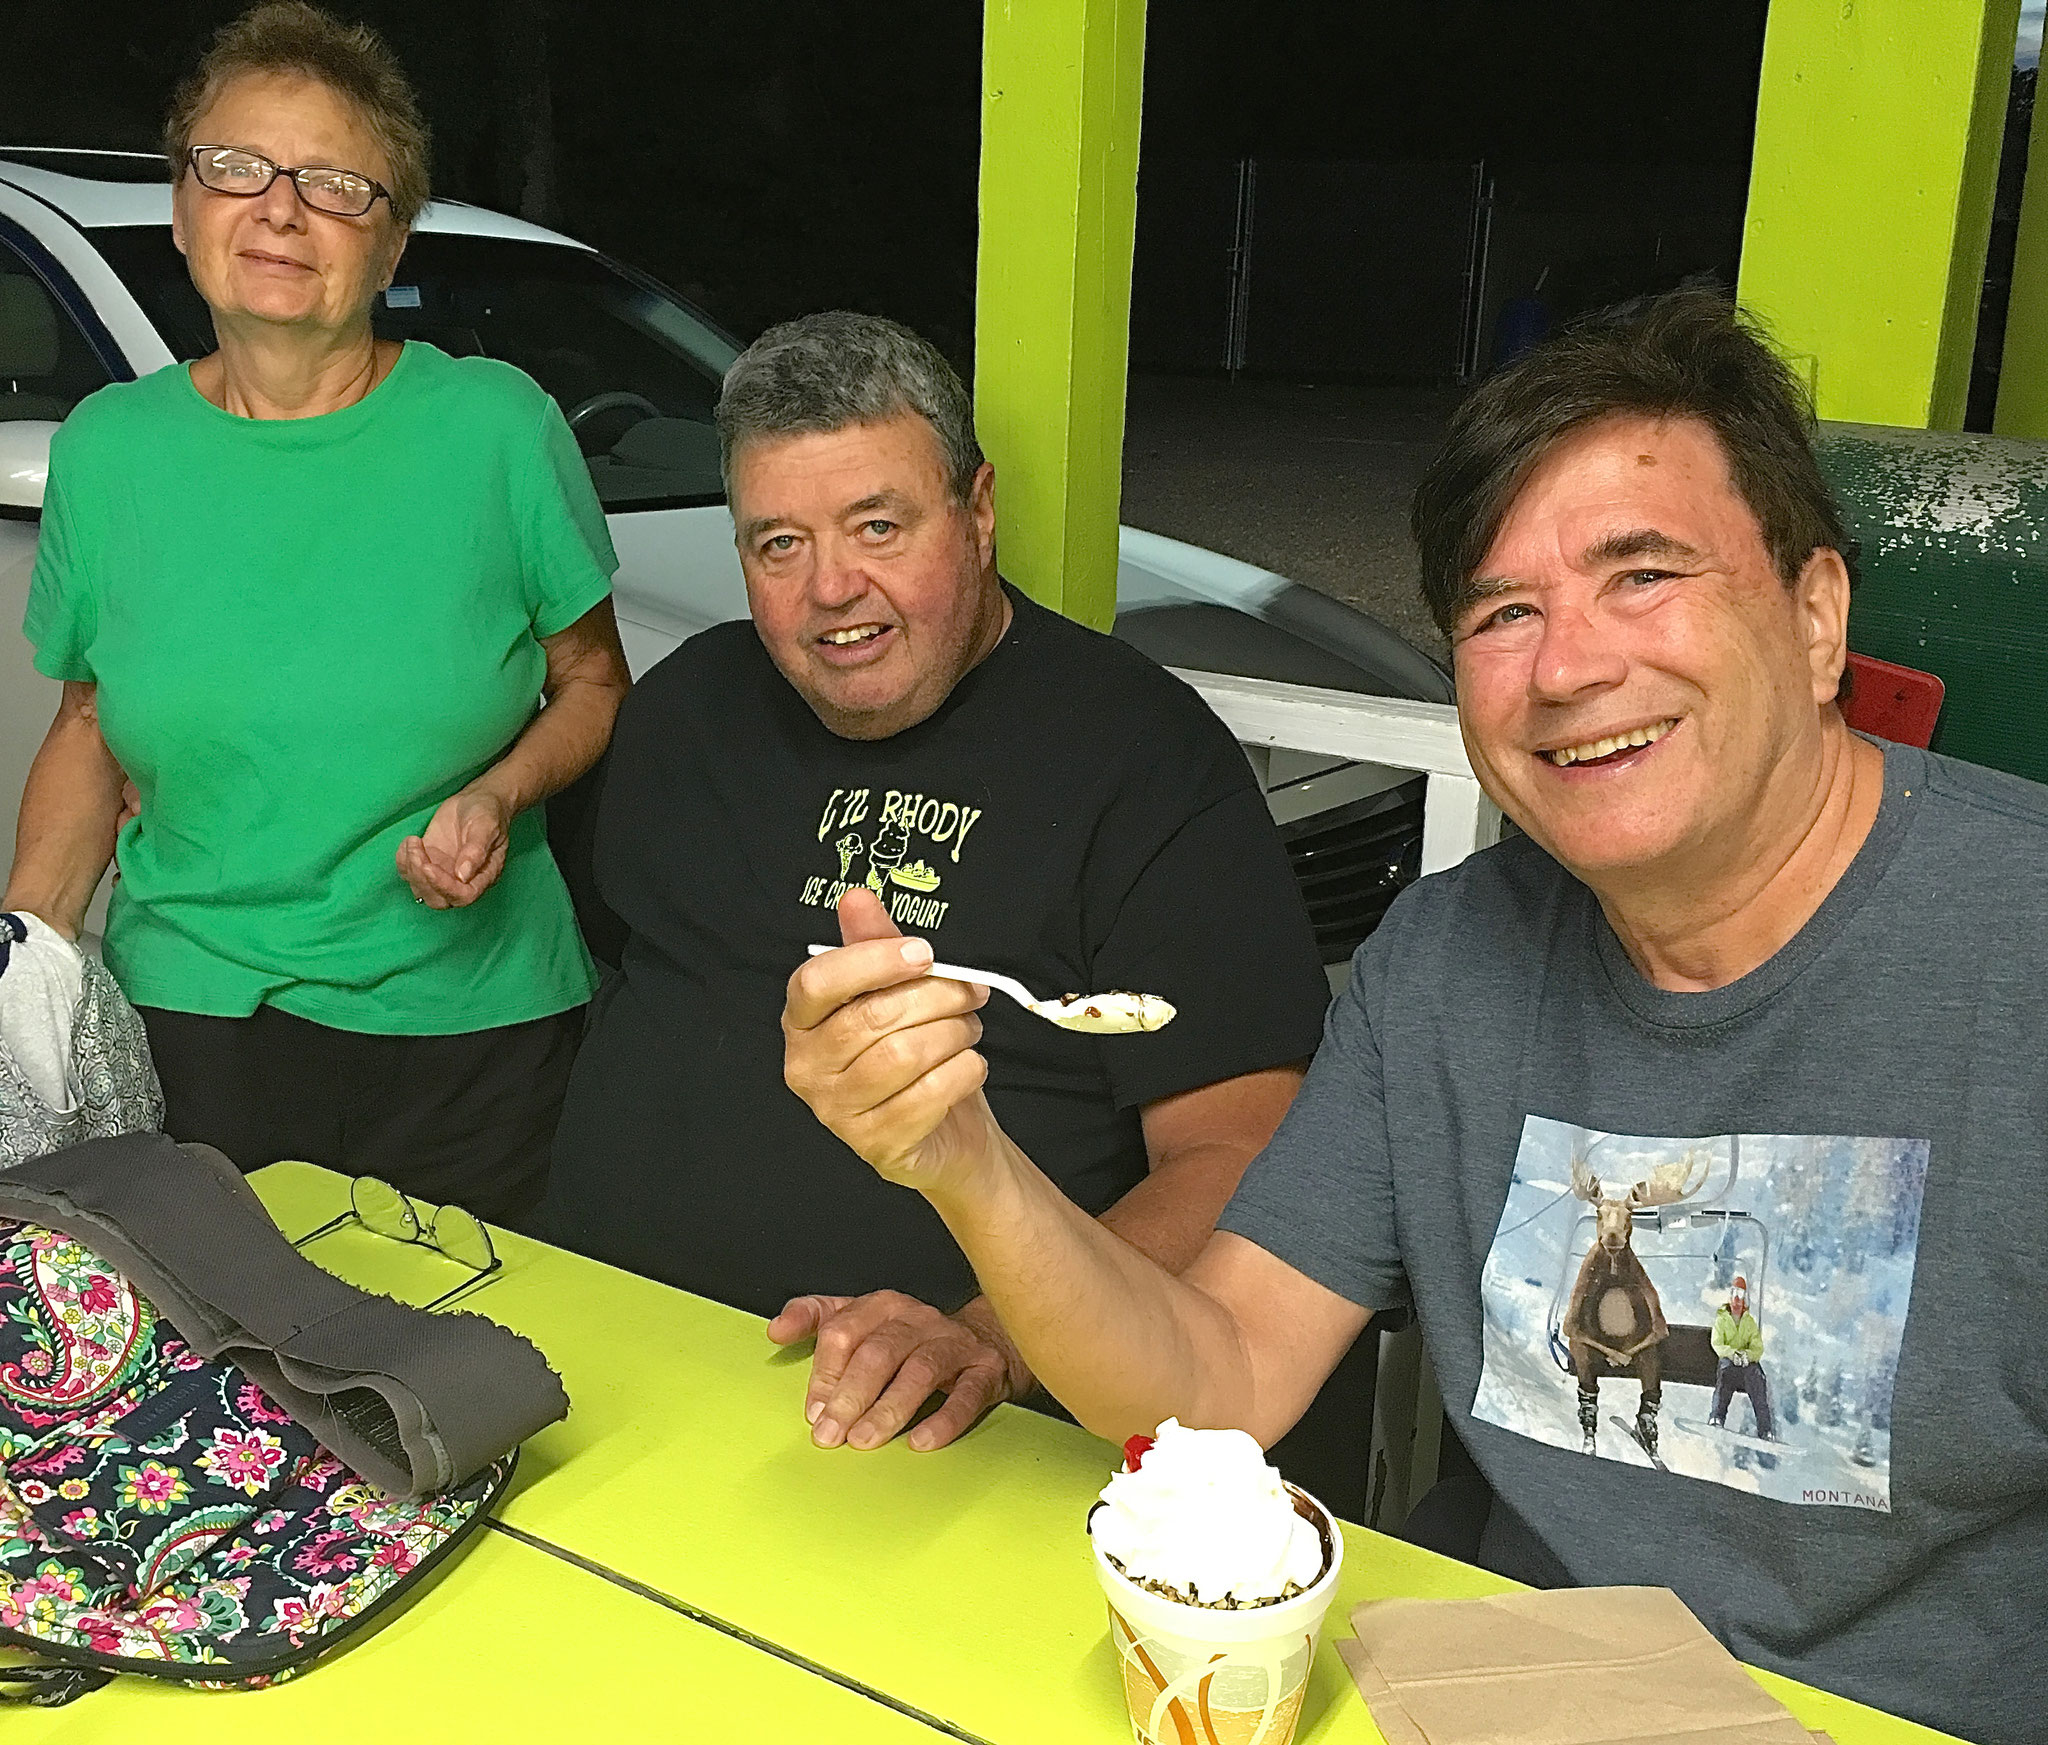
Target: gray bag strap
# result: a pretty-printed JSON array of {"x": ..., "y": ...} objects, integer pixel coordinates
[{"x": 415, "y": 1402}]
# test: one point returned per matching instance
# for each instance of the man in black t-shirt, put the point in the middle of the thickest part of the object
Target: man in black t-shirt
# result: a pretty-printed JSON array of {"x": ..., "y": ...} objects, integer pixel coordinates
[{"x": 900, "y": 741}]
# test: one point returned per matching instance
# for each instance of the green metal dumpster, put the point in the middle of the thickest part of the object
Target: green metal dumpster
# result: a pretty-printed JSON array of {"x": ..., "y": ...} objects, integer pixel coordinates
[{"x": 1953, "y": 577}]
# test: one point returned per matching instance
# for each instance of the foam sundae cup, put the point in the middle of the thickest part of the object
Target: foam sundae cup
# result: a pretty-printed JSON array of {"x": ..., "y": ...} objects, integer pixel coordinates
[{"x": 1218, "y": 1574}]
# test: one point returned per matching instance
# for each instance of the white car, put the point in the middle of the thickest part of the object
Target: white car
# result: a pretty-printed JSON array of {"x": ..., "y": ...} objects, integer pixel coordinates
[{"x": 93, "y": 291}]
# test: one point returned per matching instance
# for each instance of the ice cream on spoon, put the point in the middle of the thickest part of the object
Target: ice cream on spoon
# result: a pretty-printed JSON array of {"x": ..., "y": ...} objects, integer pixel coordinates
[
  {"x": 1112, "y": 1014},
  {"x": 1105, "y": 1014}
]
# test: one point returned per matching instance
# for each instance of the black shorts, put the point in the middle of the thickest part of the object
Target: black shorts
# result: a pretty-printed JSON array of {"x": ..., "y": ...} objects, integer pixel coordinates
[{"x": 466, "y": 1119}]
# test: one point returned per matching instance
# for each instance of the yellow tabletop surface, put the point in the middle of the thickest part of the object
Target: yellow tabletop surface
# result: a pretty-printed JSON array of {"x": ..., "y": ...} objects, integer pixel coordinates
[
  {"x": 511, "y": 1644},
  {"x": 957, "y": 1581}
]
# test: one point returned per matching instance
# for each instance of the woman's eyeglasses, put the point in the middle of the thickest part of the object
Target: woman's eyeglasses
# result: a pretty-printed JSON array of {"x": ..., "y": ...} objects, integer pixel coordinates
[
  {"x": 344, "y": 193},
  {"x": 384, "y": 1210}
]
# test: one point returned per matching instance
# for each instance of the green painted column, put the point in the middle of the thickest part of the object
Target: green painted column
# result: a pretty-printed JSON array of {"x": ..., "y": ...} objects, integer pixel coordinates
[
  {"x": 2023, "y": 370},
  {"x": 1062, "y": 82},
  {"x": 1877, "y": 134}
]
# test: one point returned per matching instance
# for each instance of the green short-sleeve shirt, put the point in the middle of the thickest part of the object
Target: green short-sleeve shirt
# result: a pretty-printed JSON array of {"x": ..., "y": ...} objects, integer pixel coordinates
[{"x": 306, "y": 634}]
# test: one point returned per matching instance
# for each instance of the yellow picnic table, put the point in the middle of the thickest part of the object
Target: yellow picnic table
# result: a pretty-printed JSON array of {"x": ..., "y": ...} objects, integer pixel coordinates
[
  {"x": 510, "y": 1644},
  {"x": 953, "y": 1588}
]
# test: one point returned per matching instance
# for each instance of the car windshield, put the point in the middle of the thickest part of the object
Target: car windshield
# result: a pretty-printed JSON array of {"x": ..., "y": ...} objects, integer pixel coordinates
[{"x": 634, "y": 369}]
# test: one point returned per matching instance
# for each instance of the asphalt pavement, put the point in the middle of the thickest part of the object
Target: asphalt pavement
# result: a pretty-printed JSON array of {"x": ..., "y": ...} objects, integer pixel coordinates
[{"x": 1310, "y": 482}]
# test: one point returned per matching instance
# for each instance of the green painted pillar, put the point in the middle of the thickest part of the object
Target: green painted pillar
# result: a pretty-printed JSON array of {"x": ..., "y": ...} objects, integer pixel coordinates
[
  {"x": 2023, "y": 370},
  {"x": 1062, "y": 82},
  {"x": 1877, "y": 134}
]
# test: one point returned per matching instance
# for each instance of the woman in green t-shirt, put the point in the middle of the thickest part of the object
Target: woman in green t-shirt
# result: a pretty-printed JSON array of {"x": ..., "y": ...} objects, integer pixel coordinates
[{"x": 306, "y": 595}]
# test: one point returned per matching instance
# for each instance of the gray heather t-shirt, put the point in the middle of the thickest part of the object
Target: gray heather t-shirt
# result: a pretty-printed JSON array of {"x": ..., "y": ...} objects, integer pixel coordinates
[{"x": 1856, "y": 1133}]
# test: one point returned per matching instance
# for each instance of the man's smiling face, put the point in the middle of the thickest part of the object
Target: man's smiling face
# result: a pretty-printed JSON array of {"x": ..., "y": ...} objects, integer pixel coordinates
[
  {"x": 873, "y": 587},
  {"x": 1633, "y": 674}
]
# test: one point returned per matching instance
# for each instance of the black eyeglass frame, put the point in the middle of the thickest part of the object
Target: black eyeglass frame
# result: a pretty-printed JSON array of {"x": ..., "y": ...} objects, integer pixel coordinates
[
  {"x": 423, "y": 1234},
  {"x": 377, "y": 189}
]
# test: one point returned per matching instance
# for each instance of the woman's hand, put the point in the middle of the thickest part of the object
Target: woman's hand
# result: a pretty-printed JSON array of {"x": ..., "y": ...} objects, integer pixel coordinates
[
  {"x": 463, "y": 849},
  {"x": 462, "y": 852}
]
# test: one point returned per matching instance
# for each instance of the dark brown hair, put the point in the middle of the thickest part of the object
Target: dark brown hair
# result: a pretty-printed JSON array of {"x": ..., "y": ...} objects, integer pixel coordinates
[
  {"x": 1687, "y": 354},
  {"x": 289, "y": 38}
]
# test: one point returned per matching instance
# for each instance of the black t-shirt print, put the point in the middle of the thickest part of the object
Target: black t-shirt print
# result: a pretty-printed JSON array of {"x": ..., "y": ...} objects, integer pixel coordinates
[
  {"x": 882, "y": 859},
  {"x": 1072, "y": 816}
]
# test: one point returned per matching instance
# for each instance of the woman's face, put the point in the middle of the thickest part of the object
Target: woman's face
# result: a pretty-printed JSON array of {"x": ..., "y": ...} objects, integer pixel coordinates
[{"x": 271, "y": 257}]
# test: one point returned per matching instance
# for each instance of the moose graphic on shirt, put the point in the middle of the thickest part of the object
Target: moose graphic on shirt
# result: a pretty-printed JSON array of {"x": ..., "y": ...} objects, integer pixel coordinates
[
  {"x": 1615, "y": 1323},
  {"x": 1634, "y": 1283},
  {"x": 897, "y": 822}
]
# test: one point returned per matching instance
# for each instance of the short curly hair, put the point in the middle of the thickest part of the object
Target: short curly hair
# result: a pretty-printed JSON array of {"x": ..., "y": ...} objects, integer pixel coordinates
[
  {"x": 287, "y": 37},
  {"x": 821, "y": 373}
]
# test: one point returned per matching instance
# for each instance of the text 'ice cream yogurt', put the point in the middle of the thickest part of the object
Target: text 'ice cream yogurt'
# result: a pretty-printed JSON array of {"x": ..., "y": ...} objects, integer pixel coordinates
[{"x": 1205, "y": 1517}]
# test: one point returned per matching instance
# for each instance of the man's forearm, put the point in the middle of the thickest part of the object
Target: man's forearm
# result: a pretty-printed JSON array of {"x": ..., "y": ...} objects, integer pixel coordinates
[
  {"x": 1198, "y": 1144},
  {"x": 1170, "y": 1214},
  {"x": 70, "y": 811},
  {"x": 883, "y": 1052},
  {"x": 1120, "y": 1342},
  {"x": 1167, "y": 1217}
]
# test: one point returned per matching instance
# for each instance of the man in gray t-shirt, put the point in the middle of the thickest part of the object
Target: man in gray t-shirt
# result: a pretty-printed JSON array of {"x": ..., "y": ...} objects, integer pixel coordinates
[
  {"x": 1704, "y": 1124},
  {"x": 1860, "y": 1123}
]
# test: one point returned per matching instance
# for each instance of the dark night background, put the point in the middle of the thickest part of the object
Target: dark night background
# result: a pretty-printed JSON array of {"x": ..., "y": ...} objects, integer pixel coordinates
[
  {"x": 769, "y": 160},
  {"x": 1345, "y": 211}
]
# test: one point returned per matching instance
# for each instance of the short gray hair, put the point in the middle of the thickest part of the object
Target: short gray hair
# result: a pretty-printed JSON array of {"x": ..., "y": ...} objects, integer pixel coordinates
[
  {"x": 287, "y": 38},
  {"x": 821, "y": 373}
]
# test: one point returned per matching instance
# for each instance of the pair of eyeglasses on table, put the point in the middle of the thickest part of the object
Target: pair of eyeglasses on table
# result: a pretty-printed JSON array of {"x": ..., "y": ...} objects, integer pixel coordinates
[{"x": 384, "y": 1210}]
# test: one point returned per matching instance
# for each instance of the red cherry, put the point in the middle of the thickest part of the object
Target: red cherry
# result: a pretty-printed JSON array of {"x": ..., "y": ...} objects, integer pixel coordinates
[{"x": 1135, "y": 1451}]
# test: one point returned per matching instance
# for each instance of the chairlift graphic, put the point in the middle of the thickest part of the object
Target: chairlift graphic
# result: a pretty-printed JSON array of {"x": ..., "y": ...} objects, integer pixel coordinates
[{"x": 1621, "y": 1260}]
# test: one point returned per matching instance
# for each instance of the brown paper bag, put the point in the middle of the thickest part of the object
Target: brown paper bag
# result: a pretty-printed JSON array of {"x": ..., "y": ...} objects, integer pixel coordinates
[{"x": 1576, "y": 1666}]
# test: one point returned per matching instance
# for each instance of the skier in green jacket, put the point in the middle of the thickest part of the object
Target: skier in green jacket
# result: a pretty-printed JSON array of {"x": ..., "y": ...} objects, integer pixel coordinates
[{"x": 1739, "y": 1344}]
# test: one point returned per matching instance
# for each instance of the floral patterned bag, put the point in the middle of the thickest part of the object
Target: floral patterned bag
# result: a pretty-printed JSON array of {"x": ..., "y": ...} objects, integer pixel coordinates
[{"x": 160, "y": 1514}]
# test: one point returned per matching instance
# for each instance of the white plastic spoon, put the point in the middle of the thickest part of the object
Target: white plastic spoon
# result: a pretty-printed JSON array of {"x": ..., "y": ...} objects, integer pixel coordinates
[{"x": 1100, "y": 1014}]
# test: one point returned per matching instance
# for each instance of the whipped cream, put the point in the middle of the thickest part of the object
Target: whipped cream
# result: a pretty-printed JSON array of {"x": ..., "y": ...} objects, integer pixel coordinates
[{"x": 1206, "y": 1517}]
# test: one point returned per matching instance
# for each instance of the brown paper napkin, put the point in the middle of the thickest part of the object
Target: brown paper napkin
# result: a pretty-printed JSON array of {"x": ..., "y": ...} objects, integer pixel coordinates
[{"x": 1575, "y": 1666}]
